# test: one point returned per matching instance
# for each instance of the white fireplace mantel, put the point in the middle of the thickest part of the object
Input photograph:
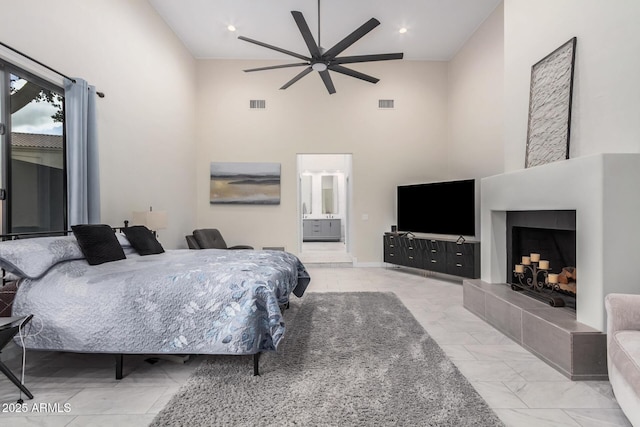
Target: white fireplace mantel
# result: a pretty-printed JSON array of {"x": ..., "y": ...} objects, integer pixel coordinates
[{"x": 604, "y": 190}]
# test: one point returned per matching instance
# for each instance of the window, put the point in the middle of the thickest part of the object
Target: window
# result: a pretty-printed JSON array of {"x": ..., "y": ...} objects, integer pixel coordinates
[{"x": 32, "y": 155}]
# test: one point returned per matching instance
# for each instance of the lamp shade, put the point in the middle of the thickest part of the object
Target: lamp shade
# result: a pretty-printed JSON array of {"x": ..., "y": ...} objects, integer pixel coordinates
[{"x": 153, "y": 220}]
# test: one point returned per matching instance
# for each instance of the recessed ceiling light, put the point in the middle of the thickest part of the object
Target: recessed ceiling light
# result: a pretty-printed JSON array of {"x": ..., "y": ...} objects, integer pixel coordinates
[
  {"x": 231, "y": 28},
  {"x": 402, "y": 30}
]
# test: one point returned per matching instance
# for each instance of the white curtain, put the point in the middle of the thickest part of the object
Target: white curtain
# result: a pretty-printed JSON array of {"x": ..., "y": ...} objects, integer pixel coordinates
[{"x": 83, "y": 179}]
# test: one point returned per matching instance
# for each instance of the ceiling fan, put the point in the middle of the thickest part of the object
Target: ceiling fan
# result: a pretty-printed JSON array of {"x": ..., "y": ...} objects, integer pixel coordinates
[{"x": 324, "y": 61}]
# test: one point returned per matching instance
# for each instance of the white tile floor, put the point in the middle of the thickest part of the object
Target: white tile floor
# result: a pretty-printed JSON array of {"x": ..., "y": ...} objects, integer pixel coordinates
[
  {"x": 325, "y": 252},
  {"x": 522, "y": 390}
]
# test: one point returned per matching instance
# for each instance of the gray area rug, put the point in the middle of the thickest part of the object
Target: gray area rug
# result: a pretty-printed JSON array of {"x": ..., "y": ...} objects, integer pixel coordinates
[{"x": 348, "y": 359}]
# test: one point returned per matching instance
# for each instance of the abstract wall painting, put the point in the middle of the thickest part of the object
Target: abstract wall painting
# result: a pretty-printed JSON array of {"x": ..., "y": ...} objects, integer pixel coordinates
[
  {"x": 245, "y": 183},
  {"x": 550, "y": 97}
]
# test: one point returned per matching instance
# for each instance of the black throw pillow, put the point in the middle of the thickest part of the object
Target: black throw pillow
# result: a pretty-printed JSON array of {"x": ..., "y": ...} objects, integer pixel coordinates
[
  {"x": 98, "y": 243},
  {"x": 143, "y": 240}
]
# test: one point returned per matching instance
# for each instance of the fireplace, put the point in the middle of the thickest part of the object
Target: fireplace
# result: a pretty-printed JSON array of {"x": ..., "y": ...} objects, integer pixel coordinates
[
  {"x": 551, "y": 234},
  {"x": 599, "y": 189}
]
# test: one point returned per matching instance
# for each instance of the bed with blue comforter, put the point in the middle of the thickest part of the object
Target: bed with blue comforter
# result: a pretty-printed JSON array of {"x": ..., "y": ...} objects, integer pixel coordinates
[{"x": 209, "y": 301}]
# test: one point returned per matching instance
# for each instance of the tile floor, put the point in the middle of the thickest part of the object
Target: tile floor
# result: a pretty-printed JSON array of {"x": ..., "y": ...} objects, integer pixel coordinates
[
  {"x": 521, "y": 389},
  {"x": 325, "y": 252}
]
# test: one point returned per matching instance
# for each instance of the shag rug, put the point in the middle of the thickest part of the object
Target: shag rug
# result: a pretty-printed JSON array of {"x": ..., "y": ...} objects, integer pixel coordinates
[{"x": 347, "y": 359}]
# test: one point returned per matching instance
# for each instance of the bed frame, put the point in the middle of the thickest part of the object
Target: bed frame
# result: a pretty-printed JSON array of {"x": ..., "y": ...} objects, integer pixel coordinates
[{"x": 118, "y": 356}]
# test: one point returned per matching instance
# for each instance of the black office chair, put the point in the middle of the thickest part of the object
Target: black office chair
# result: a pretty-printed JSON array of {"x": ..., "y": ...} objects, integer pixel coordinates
[
  {"x": 191, "y": 242},
  {"x": 210, "y": 238}
]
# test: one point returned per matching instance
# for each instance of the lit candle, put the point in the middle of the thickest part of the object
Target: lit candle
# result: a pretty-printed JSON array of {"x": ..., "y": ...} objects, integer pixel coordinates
[
  {"x": 519, "y": 268},
  {"x": 553, "y": 278},
  {"x": 544, "y": 265},
  {"x": 535, "y": 257},
  {"x": 526, "y": 260}
]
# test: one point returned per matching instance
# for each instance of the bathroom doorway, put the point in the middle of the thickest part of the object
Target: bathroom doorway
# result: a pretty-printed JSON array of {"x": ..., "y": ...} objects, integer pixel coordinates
[{"x": 324, "y": 206}]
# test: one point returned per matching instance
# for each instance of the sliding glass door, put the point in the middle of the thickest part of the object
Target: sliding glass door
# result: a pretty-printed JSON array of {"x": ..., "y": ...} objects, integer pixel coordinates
[{"x": 32, "y": 155}]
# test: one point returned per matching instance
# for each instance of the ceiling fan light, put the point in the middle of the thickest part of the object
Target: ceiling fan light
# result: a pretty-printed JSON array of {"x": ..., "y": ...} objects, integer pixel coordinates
[
  {"x": 402, "y": 30},
  {"x": 231, "y": 27},
  {"x": 319, "y": 66}
]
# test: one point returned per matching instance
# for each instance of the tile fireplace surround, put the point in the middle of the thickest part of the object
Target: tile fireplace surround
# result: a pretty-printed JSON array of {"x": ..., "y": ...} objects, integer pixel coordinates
[{"x": 604, "y": 190}]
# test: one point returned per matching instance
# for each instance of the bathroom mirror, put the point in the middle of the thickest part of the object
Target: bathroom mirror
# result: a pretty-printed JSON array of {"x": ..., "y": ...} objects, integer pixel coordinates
[
  {"x": 307, "y": 198},
  {"x": 329, "y": 194}
]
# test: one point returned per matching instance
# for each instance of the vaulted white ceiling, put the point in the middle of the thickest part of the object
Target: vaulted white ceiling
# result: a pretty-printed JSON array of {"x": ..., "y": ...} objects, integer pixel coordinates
[{"x": 436, "y": 29}]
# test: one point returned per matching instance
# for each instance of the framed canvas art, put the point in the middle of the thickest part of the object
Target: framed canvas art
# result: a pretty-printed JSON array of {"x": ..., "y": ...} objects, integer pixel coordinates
[
  {"x": 550, "y": 97},
  {"x": 245, "y": 183}
]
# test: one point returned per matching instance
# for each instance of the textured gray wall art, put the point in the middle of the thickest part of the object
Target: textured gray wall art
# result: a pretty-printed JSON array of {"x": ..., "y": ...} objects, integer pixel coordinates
[{"x": 550, "y": 106}]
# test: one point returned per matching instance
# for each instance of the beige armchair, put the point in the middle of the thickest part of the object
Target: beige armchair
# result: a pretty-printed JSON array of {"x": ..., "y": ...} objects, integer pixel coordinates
[{"x": 623, "y": 352}]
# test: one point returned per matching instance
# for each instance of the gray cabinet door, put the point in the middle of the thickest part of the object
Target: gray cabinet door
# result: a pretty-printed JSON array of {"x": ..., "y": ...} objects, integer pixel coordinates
[
  {"x": 325, "y": 229},
  {"x": 331, "y": 229}
]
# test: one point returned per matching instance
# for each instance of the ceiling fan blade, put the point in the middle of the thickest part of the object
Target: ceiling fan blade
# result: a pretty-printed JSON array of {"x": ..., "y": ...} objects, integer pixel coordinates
[
  {"x": 298, "y": 77},
  {"x": 351, "y": 38},
  {"x": 274, "y": 67},
  {"x": 349, "y": 72},
  {"x": 268, "y": 46},
  {"x": 314, "y": 50},
  {"x": 367, "y": 58},
  {"x": 326, "y": 78}
]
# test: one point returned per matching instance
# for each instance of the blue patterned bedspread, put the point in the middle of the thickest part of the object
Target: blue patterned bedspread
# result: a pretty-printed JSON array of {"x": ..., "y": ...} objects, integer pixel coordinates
[{"x": 206, "y": 301}]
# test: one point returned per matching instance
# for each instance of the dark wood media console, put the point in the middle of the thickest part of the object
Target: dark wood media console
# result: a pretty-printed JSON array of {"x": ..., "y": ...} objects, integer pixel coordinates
[{"x": 437, "y": 255}]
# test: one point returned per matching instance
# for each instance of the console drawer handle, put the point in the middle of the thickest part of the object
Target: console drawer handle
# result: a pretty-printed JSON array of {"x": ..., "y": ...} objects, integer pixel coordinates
[
  {"x": 410, "y": 257},
  {"x": 433, "y": 251},
  {"x": 459, "y": 253},
  {"x": 391, "y": 255},
  {"x": 391, "y": 246},
  {"x": 433, "y": 261},
  {"x": 458, "y": 265}
]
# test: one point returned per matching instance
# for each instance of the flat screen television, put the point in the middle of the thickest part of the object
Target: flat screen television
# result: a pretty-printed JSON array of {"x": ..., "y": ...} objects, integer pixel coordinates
[{"x": 447, "y": 207}]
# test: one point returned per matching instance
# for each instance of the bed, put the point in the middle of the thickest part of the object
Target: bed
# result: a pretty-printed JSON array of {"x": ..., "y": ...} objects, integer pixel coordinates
[{"x": 210, "y": 301}]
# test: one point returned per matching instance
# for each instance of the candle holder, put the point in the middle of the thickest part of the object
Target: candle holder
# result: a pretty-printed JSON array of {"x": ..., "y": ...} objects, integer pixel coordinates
[{"x": 537, "y": 285}]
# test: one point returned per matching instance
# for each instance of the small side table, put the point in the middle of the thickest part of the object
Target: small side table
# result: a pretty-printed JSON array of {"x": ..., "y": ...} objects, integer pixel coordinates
[{"x": 9, "y": 327}]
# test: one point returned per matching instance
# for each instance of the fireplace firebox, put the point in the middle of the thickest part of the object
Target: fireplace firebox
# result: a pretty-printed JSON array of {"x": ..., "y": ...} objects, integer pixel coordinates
[{"x": 541, "y": 255}]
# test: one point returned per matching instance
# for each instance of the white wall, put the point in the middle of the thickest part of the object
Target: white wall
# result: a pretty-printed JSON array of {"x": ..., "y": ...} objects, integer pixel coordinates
[
  {"x": 475, "y": 103},
  {"x": 606, "y": 85},
  {"x": 146, "y": 121},
  {"x": 447, "y": 124},
  {"x": 404, "y": 145},
  {"x": 160, "y": 126}
]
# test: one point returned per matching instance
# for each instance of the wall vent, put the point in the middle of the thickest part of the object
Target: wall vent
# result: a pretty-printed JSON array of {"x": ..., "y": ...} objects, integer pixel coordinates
[
  {"x": 257, "y": 104},
  {"x": 385, "y": 104}
]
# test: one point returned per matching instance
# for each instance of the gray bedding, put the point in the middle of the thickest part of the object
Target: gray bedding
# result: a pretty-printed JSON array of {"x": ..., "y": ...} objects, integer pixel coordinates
[{"x": 207, "y": 301}]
